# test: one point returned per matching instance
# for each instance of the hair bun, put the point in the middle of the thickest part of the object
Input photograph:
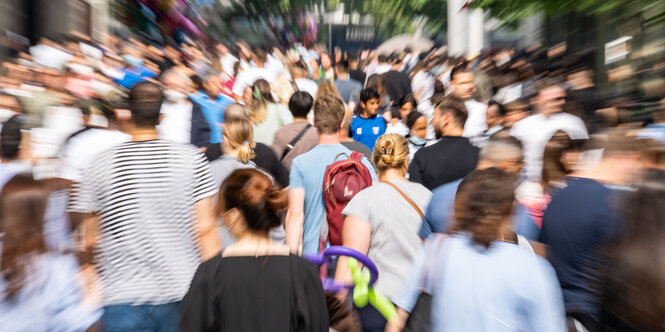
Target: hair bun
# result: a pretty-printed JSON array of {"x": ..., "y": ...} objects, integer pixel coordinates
[{"x": 276, "y": 198}]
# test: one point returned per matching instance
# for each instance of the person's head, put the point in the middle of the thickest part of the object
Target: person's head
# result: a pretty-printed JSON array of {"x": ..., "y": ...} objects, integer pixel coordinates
[
  {"x": 505, "y": 153},
  {"x": 112, "y": 104},
  {"x": 326, "y": 88},
  {"x": 222, "y": 49},
  {"x": 238, "y": 136},
  {"x": 212, "y": 85},
  {"x": 550, "y": 100},
  {"x": 197, "y": 81},
  {"x": 248, "y": 95},
  {"x": 622, "y": 156},
  {"x": 10, "y": 139},
  {"x": 353, "y": 62},
  {"x": 515, "y": 111},
  {"x": 145, "y": 103},
  {"x": 235, "y": 111},
  {"x": 328, "y": 114},
  {"x": 483, "y": 205},
  {"x": 260, "y": 57},
  {"x": 383, "y": 58},
  {"x": 326, "y": 62},
  {"x": 249, "y": 201},
  {"x": 378, "y": 82},
  {"x": 560, "y": 156},
  {"x": 406, "y": 104},
  {"x": 494, "y": 116},
  {"x": 449, "y": 116},
  {"x": 439, "y": 88},
  {"x": 300, "y": 104},
  {"x": 580, "y": 78},
  {"x": 175, "y": 86},
  {"x": 369, "y": 102},
  {"x": 342, "y": 68},
  {"x": 417, "y": 124},
  {"x": 391, "y": 151},
  {"x": 10, "y": 102},
  {"x": 462, "y": 82},
  {"x": 261, "y": 96},
  {"x": 298, "y": 72},
  {"x": 22, "y": 209},
  {"x": 634, "y": 282}
]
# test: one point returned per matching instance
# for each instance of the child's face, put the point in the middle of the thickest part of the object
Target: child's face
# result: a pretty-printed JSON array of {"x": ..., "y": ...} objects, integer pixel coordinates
[
  {"x": 420, "y": 127},
  {"x": 405, "y": 110},
  {"x": 370, "y": 107}
]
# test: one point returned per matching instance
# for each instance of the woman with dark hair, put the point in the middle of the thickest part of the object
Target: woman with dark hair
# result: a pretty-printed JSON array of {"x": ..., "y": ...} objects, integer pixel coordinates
[
  {"x": 634, "y": 283},
  {"x": 254, "y": 284},
  {"x": 266, "y": 114},
  {"x": 478, "y": 277},
  {"x": 378, "y": 82},
  {"x": 38, "y": 290},
  {"x": 416, "y": 123},
  {"x": 397, "y": 125}
]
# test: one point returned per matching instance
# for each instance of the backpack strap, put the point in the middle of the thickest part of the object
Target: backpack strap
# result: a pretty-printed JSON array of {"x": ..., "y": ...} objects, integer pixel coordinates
[
  {"x": 356, "y": 156},
  {"x": 293, "y": 142},
  {"x": 413, "y": 204}
]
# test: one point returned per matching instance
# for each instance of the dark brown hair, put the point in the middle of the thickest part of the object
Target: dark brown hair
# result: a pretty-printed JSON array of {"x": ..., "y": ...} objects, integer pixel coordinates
[
  {"x": 378, "y": 82},
  {"x": 328, "y": 114},
  {"x": 633, "y": 286},
  {"x": 255, "y": 195},
  {"x": 484, "y": 199},
  {"x": 22, "y": 208},
  {"x": 145, "y": 102},
  {"x": 553, "y": 168},
  {"x": 455, "y": 106}
]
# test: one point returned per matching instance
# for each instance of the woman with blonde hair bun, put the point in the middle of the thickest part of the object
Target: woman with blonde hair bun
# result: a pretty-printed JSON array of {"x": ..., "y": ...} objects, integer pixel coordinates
[
  {"x": 238, "y": 147},
  {"x": 383, "y": 221}
]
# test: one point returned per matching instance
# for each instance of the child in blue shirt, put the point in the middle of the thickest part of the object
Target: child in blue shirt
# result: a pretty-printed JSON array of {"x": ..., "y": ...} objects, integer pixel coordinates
[{"x": 367, "y": 126}]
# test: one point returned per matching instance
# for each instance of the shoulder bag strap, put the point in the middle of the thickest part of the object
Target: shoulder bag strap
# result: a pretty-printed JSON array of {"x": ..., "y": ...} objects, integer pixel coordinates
[
  {"x": 413, "y": 204},
  {"x": 293, "y": 142}
]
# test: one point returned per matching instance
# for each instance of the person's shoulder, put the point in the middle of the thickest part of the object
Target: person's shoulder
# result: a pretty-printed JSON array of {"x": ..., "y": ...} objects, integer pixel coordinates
[{"x": 446, "y": 189}]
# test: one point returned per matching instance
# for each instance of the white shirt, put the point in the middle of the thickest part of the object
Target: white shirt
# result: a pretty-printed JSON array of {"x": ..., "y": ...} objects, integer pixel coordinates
[
  {"x": 509, "y": 93},
  {"x": 249, "y": 76},
  {"x": 81, "y": 149},
  {"x": 534, "y": 132},
  {"x": 228, "y": 61},
  {"x": 425, "y": 81},
  {"x": 427, "y": 108},
  {"x": 307, "y": 85},
  {"x": 399, "y": 128},
  {"x": 475, "y": 123},
  {"x": 382, "y": 69},
  {"x": 176, "y": 125}
]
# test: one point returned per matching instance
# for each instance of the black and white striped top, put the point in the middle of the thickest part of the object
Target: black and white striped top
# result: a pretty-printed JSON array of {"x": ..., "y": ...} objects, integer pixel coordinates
[{"x": 144, "y": 194}]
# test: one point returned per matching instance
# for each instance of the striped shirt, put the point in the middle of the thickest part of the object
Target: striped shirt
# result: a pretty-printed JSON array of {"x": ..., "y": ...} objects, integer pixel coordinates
[{"x": 144, "y": 194}]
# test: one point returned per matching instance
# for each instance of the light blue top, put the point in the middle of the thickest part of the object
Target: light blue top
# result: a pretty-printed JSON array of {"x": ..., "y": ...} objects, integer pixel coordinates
[
  {"x": 50, "y": 300},
  {"x": 503, "y": 288},
  {"x": 307, "y": 172},
  {"x": 441, "y": 208},
  {"x": 213, "y": 110}
]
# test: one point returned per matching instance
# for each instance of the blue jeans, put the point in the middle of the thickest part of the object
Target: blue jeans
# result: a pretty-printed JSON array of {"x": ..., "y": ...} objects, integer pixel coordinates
[{"x": 141, "y": 318}]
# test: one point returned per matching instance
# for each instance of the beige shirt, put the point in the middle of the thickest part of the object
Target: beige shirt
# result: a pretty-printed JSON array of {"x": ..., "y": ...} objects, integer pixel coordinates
[{"x": 286, "y": 134}]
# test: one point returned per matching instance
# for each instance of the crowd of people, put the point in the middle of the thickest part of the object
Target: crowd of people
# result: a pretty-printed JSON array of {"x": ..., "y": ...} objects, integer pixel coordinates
[{"x": 181, "y": 187}]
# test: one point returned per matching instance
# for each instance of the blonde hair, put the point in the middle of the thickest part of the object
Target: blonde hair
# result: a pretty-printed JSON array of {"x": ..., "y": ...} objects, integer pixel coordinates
[
  {"x": 261, "y": 97},
  {"x": 390, "y": 151},
  {"x": 327, "y": 88},
  {"x": 239, "y": 134}
]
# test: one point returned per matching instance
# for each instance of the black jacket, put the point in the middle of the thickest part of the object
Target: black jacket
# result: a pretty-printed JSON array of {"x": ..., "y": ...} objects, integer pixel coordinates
[{"x": 200, "y": 133}]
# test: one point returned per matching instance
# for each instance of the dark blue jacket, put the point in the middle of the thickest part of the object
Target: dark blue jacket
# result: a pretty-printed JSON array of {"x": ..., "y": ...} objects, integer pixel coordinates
[{"x": 200, "y": 133}]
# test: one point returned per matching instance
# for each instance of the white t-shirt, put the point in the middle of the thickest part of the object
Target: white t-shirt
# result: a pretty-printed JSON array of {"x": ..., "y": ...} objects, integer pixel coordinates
[
  {"x": 475, "y": 123},
  {"x": 307, "y": 85},
  {"x": 81, "y": 149},
  {"x": 176, "y": 125},
  {"x": 425, "y": 81},
  {"x": 399, "y": 128},
  {"x": 427, "y": 108},
  {"x": 249, "y": 76},
  {"x": 534, "y": 132},
  {"x": 228, "y": 61}
]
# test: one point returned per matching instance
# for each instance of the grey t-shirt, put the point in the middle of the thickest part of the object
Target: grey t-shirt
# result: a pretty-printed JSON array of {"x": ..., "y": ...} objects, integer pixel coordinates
[{"x": 395, "y": 225}]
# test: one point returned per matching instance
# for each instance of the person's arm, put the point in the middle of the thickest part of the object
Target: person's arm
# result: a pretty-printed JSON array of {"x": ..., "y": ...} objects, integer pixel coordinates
[
  {"x": 295, "y": 218},
  {"x": 415, "y": 168},
  {"x": 209, "y": 243},
  {"x": 356, "y": 235},
  {"x": 549, "y": 315}
]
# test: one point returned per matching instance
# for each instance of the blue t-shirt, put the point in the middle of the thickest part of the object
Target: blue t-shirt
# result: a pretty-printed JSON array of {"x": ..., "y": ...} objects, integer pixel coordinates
[
  {"x": 307, "y": 172},
  {"x": 134, "y": 75},
  {"x": 367, "y": 131},
  {"x": 213, "y": 110},
  {"x": 441, "y": 208},
  {"x": 579, "y": 221}
]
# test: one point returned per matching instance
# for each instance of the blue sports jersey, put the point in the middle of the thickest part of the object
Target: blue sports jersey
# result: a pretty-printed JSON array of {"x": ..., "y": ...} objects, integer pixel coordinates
[{"x": 367, "y": 131}]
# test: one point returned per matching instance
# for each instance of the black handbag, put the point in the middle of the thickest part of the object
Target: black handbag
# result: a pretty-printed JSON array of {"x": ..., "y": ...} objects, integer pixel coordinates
[{"x": 420, "y": 318}]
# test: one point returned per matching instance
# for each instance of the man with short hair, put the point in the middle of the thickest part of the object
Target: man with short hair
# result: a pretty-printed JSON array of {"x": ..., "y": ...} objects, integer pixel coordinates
[
  {"x": 151, "y": 200},
  {"x": 183, "y": 121},
  {"x": 548, "y": 118},
  {"x": 503, "y": 153},
  {"x": 345, "y": 85},
  {"x": 299, "y": 136},
  {"x": 453, "y": 156},
  {"x": 306, "y": 212},
  {"x": 462, "y": 82},
  {"x": 213, "y": 103}
]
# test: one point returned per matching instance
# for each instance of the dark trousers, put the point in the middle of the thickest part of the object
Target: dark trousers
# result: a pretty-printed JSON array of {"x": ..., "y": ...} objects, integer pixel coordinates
[
  {"x": 371, "y": 319},
  {"x": 141, "y": 318}
]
